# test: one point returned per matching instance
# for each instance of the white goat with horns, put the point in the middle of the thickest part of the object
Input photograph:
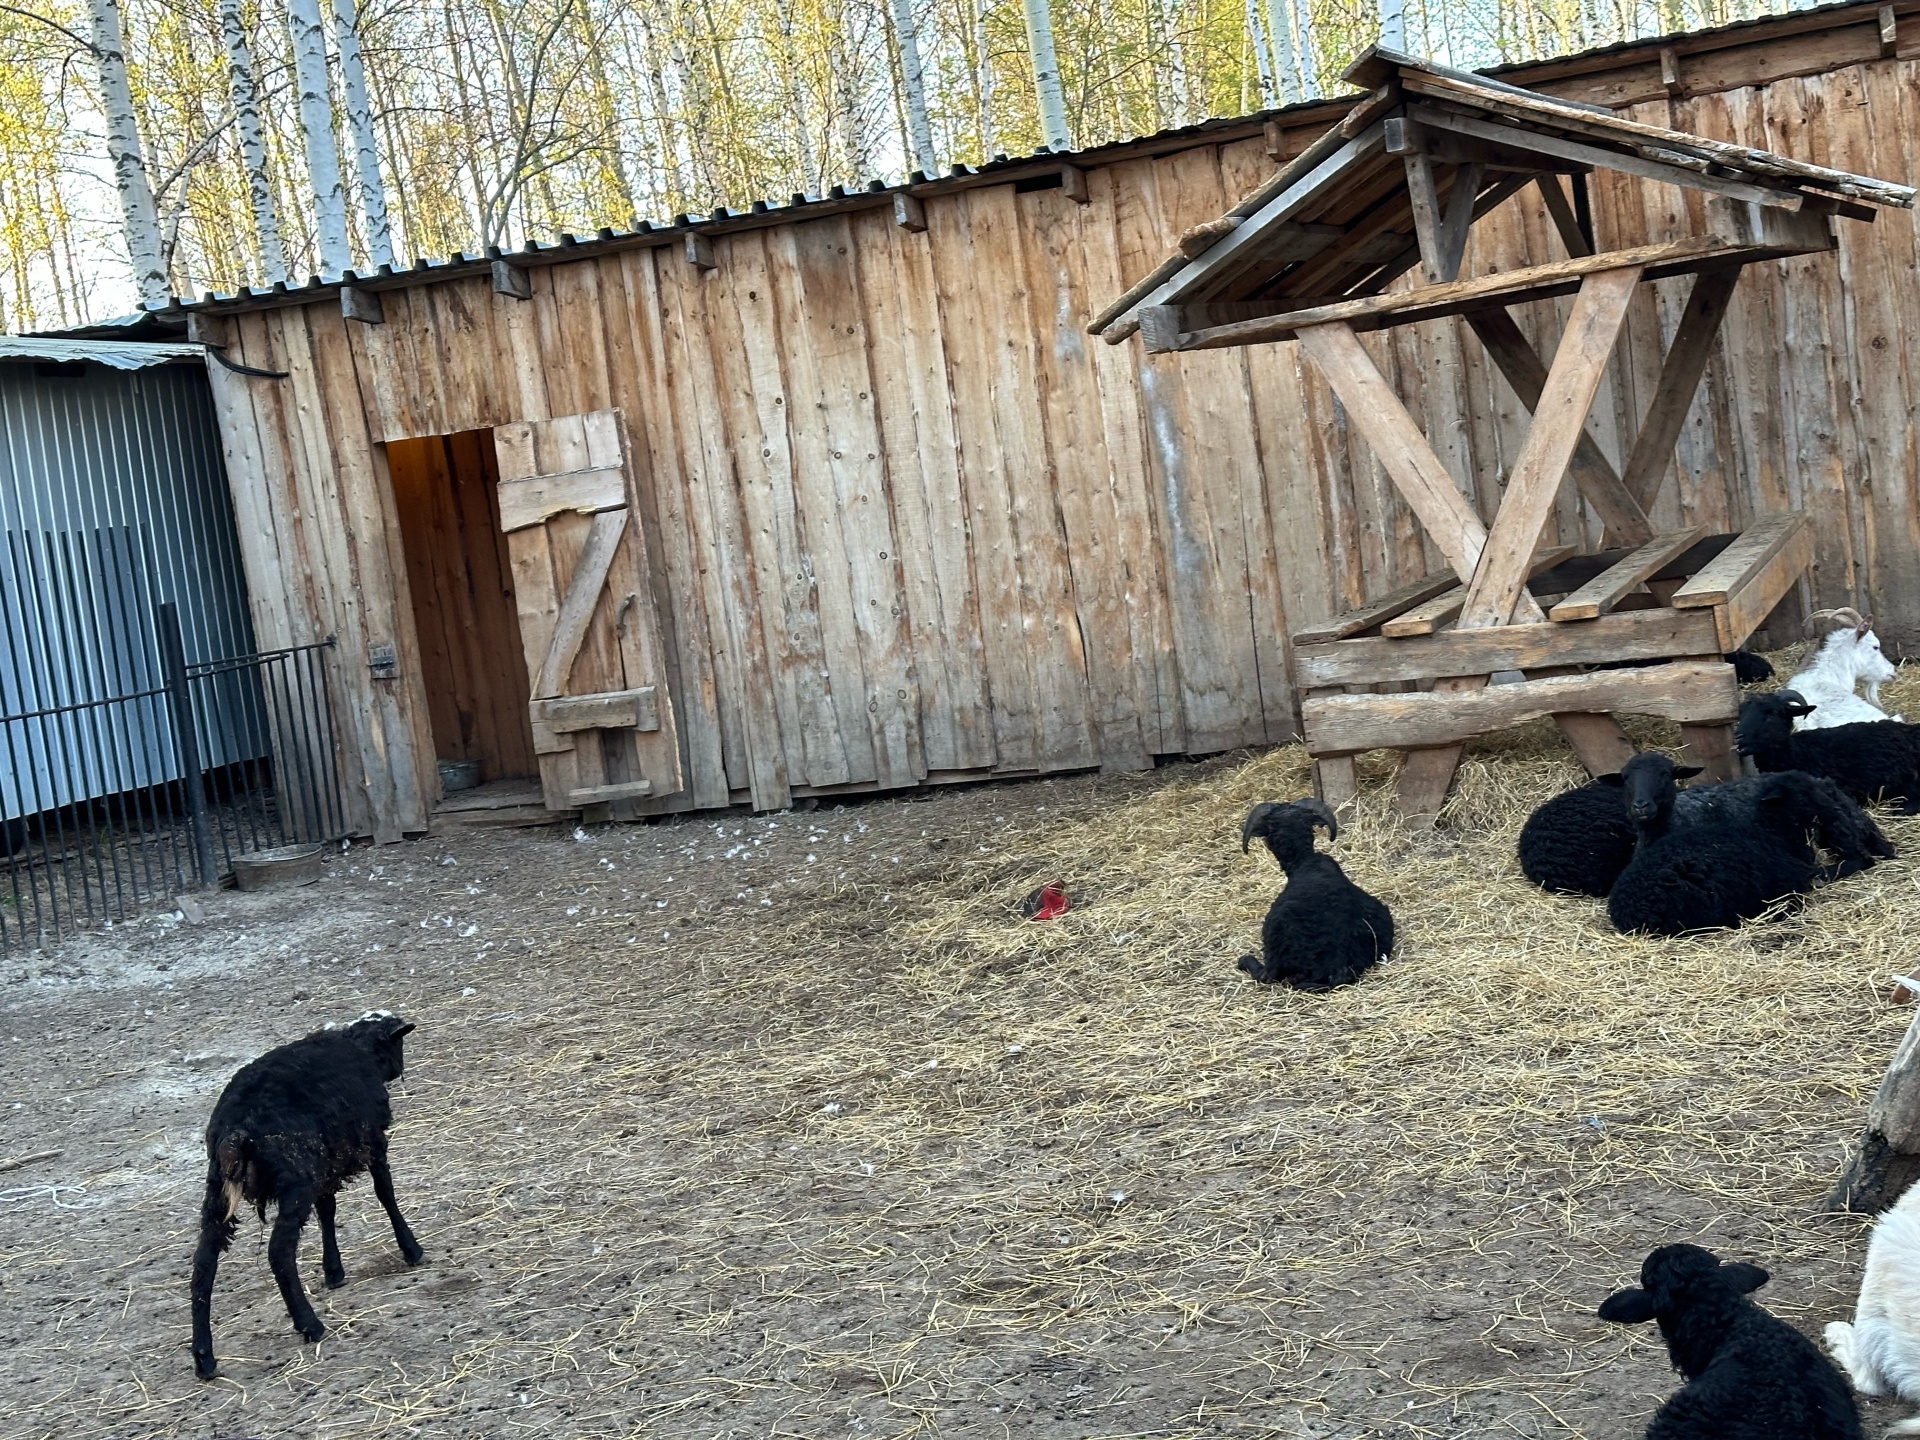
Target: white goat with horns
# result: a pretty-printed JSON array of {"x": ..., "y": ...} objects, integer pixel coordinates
[{"x": 1848, "y": 654}]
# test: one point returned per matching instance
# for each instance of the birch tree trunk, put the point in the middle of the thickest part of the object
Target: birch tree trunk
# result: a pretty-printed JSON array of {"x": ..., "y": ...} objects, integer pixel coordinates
[
  {"x": 1262, "y": 54},
  {"x": 1304, "y": 52},
  {"x": 366, "y": 150},
  {"x": 123, "y": 147},
  {"x": 1286, "y": 61},
  {"x": 244, "y": 88},
  {"x": 1046, "y": 76},
  {"x": 1393, "y": 24},
  {"x": 983, "y": 80},
  {"x": 913, "y": 83},
  {"x": 316, "y": 125}
]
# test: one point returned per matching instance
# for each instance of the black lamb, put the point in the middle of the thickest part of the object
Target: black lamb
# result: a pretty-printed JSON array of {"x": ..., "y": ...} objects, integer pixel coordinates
[
  {"x": 1830, "y": 817},
  {"x": 291, "y": 1129},
  {"x": 1749, "y": 668},
  {"x": 1323, "y": 930},
  {"x": 1868, "y": 760},
  {"x": 1750, "y": 1375},
  {"x": 1714, "y": 872},
  {"x": 1578, "y": 842}
]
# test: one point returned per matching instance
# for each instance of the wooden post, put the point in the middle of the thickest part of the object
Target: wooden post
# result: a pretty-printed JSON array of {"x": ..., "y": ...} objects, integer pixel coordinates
[
  {"x": 361, "y": 305},
  {"x": 1680, "y": 376},
  {"x": 909, "y": 213},
  {"x": 512, "y": 280},
  {"x": 1888, "y": 1160},
  {"x": 1711, "y": 746}
]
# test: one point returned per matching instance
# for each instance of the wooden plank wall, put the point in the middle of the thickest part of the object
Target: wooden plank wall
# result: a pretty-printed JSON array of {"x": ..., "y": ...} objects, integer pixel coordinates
[{"x": 907, "y": 520}]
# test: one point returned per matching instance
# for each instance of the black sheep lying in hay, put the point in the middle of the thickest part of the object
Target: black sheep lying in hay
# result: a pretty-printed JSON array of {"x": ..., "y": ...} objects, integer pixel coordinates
[
  {"x": 289, "y": 1130},
  {"x": 1323, "y": 930}
]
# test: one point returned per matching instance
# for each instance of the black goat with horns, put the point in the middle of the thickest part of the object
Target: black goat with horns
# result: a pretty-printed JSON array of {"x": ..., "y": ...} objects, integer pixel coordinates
[{"x": 1323, "y": 930}]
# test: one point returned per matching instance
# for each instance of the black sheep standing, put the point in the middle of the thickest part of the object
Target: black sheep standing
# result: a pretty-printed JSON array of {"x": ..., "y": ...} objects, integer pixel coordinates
[
  {"x": 1323, "y": 930},
  {"x": 290, "y": 1129}
]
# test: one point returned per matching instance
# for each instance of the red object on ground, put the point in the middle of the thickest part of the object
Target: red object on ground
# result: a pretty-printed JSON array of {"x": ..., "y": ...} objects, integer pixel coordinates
[{"x": 1049, "y": 902}]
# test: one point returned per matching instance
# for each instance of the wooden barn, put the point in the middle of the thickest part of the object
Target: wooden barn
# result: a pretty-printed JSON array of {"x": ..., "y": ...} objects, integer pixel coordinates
[{"x": 840, "y": 496}]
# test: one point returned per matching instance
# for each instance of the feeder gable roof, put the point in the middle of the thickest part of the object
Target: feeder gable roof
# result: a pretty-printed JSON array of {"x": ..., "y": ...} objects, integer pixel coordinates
[{"x": 1341, "y": 221}]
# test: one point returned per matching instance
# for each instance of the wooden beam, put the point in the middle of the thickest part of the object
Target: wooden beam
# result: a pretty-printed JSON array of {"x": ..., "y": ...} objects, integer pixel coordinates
[
  {"x": 1670, "y": 71},
  {"x": 1427, "y": 618},
  {"x": 1274, "y": 135},
  {"x": 1738, "y": 563},
  {"x": 1368, "y": 616},
  {"x": 1680, "y": 376},
  {"x": 1623, "y": 516},
  {"x": 1560, "y": 211},
  {"x": 1499, "y": 581},
  {"x": 1335, "y": 782},
  {"x": 909, "y": 213},
  {"x": 1376, "y": 412},
  {"x": 1356, "y": 120},
  {"x": 1711, "y": 748},
  {"x": 1750, "y": 601},
  {"x": 700, "y": 252},
  {"x": 1073, "y": 184},
  {"x": 1630, "y": 635},
  {"x": 607, "y": 794},
  {"x": 1692, "y": 691},
  {"x": 531, "y": 499},
  {"x": 361, "y": 305},
  {"x": 1887, "y": 1160},
  {"x": 1601, "y": 158},
  {"x": 1600, "y": 594},
  {"x": 1510, "y": 287},
  {"x": 512, "y": 280},
  {"x": 1458, "y": 220},
  {"x": 1889, "y": 32}
]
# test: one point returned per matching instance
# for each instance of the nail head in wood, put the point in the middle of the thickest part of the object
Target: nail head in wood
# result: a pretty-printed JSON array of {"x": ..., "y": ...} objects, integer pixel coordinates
[
  {"x": 1889, "y": 32},
  {"x": 1073, "y": 181},
  {"x": 361, "y": 305},
  {"x": 512, "y": 280},
  {"x": 700, "y": 252},
  {"x": 909, "y": 213}
]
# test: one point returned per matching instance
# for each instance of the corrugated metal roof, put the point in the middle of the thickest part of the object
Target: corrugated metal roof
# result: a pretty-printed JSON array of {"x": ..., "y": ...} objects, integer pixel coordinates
[{"x": 119, "y": 354}]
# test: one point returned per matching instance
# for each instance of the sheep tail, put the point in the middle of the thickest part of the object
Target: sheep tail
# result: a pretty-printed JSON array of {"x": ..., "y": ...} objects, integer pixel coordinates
[
  {"x": 1905, "y": 1427},
  {"x": 234, "y": 1157}
]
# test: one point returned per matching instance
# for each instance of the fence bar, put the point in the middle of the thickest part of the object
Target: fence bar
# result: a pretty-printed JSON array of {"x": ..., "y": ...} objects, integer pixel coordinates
[{"x": 173, "y": 664}]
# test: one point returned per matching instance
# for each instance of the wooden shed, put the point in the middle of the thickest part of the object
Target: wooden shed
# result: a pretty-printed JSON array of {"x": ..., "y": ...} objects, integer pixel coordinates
[{"x": 839, "y": 496}]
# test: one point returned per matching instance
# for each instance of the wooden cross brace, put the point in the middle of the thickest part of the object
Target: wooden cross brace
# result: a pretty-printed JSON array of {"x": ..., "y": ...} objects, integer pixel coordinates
[{"x": 1493, "y": 562}]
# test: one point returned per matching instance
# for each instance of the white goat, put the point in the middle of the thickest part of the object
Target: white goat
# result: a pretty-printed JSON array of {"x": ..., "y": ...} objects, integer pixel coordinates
[
  {"x": 1849, "y": 654},
  {"x": 1880, "y": 1350}
]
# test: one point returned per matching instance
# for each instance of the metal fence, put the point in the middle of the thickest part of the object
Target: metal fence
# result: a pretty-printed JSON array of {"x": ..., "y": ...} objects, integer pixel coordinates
[{"x": 109, "y": 803}]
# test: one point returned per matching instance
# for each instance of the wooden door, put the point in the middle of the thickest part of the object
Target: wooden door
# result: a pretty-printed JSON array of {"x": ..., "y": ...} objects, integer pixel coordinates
[{"x": 602, "y": 715}]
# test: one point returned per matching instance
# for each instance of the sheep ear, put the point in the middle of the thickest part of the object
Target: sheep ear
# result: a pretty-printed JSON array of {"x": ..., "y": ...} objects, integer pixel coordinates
[
  {"x": 1628, "y": 1307},
  {"x": 406, "y": 1029},
  {"x": 1746, "y": 1278},
  {"x": 1687, "y": 772},
  {"x": 1616, "y": 779}
]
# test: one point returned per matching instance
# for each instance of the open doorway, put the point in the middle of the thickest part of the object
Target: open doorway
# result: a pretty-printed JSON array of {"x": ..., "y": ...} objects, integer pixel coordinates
[{"x": 475, "y": 674}]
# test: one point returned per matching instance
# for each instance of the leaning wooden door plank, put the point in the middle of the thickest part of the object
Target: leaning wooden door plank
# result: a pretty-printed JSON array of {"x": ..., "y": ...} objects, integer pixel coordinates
[
  {"x": 1578, "y": 365},
  {"x": 1625, "y": 519},
  {"x": 1679, "y": 378},
  {"x": 1382, "y": 420},
  {"x": 535, "y": 498}
]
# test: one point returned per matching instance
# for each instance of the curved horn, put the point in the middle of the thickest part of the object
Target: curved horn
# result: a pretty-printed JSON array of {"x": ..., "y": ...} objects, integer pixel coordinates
[
  {"x": 1824, "y": 622},
  {"x": 1256, "y": 818},
  {"x": 1321, "y": 814}
]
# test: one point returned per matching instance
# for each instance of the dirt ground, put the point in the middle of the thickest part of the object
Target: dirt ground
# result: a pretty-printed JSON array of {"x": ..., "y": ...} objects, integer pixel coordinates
[{"x": 789, "y": 1126}]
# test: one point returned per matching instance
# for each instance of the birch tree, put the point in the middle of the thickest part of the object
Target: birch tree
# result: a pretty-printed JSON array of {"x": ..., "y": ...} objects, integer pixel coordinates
[
  {"x": 1393, "y": 24},
  {"x": 130, "y": 180},
  {"x": 243, "y": 86},
  {"x": 914, "y": 87},
  {"x": 1046, "y": 76},
  {"x": 366, "y": 151},
  {"x": 316, "y": 131},
  {"x": 1286, "y": 56}
]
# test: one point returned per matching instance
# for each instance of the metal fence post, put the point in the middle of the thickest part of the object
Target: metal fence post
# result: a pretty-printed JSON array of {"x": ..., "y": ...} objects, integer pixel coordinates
[{"x": 173, "y": 664}]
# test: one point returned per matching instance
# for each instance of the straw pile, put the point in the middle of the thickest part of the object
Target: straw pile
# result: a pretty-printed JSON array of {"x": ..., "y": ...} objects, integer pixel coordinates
[{"x": 884, "y": 1159}]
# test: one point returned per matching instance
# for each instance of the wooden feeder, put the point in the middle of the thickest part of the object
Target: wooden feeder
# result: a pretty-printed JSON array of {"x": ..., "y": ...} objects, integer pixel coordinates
[{"x": 1309, "y": 256}]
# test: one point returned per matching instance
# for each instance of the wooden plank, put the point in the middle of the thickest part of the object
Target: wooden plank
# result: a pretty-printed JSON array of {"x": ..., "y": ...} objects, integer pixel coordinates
[
  {"x": 1753, "y": 598},
  {"x": 1686, "y": 361},
  {"x": 1599, "y": 742},
  {"x": 606, "y": 794},
  {"x": 1560, "y": 210},
  {"x": 1335, "y": 782},
  {"x": 1711, "y": 748},
  {"x": 1600, "y": 157},
  {"x": 1353, "y": 622},
  {"x": 534, "y": 498},
  {"x": 1382, "y": 420},
  {"x": 1498, "y": 584},
  {"x": 1652, "y": 634},
  {"x": 635, "y": 709},
  {"x": 582, "y": 596},
  {"x": 1736, "y": 565},
  {"x": 1695, "y": 691},
  {"x": 1600, "y": 594},
  {"x": 1623, "y": 516},
  {"x": 1427, "y": 618}
]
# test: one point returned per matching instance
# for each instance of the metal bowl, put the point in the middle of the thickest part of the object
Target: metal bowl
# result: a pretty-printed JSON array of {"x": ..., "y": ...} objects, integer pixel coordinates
[
  {"x": 283, "y": 865},
  {"x": 459, "y": 774}
]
